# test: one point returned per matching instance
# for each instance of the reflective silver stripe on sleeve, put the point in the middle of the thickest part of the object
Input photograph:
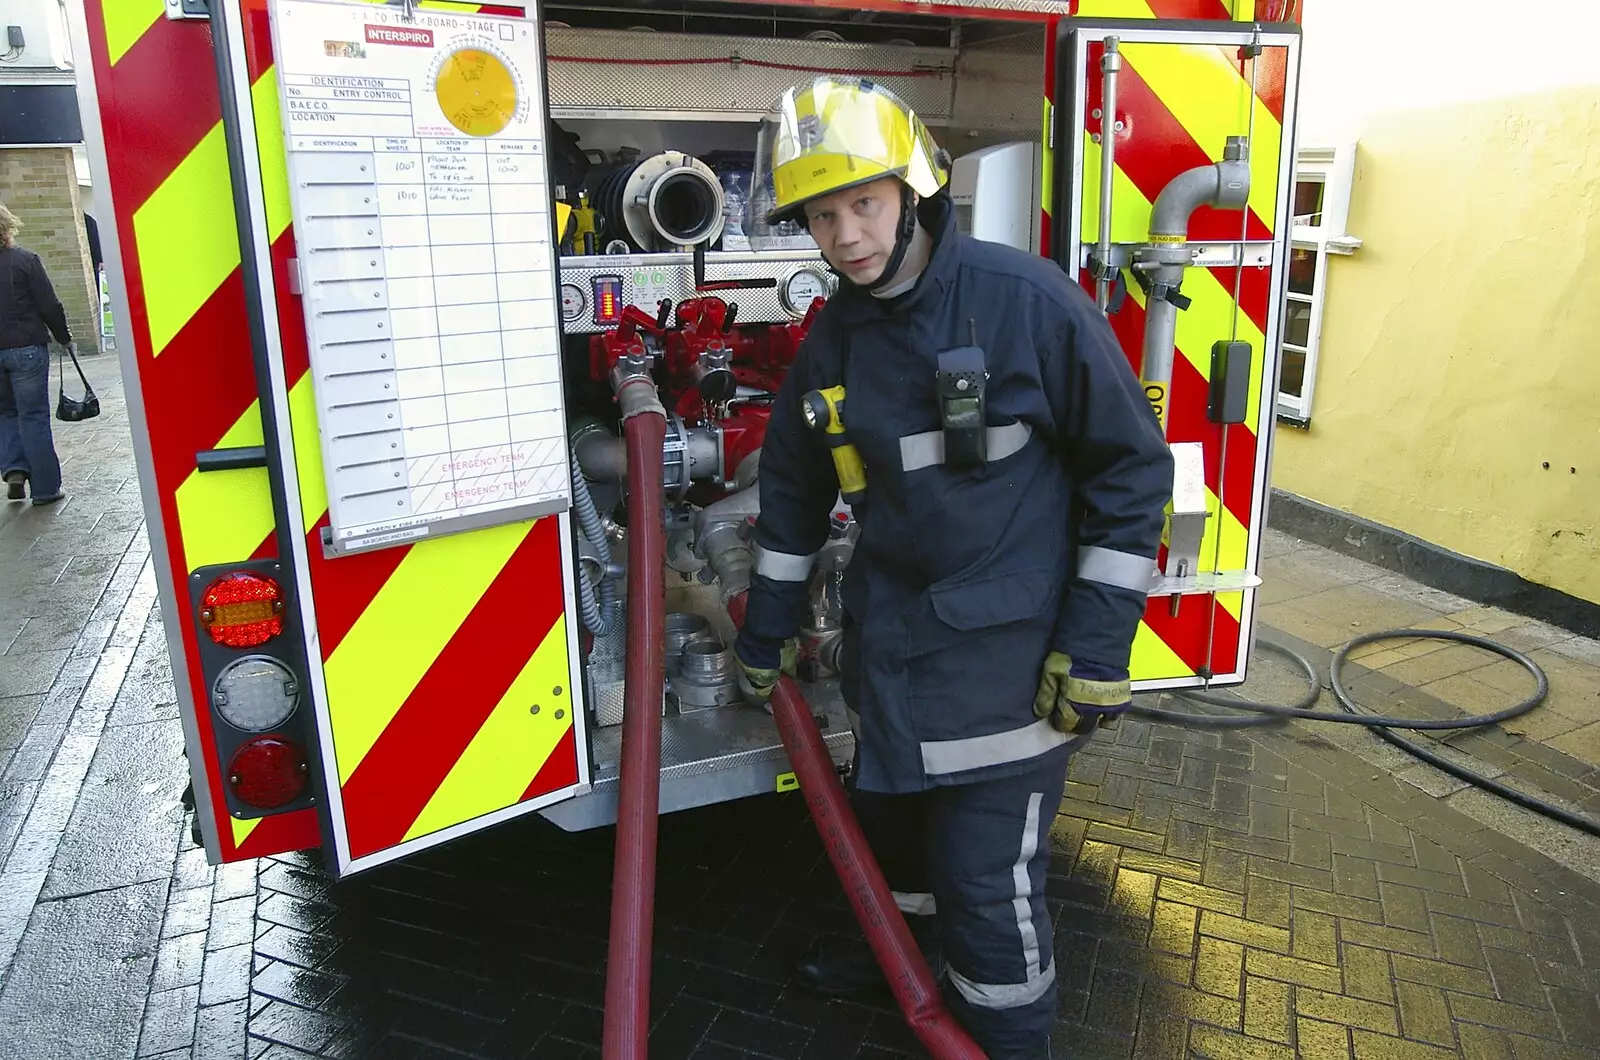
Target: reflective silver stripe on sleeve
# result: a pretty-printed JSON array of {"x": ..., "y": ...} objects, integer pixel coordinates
[
  {"x": 918, "y": 451},
  {"x": 784, "y": 566},
  {"x": 1122, "y": 569},
  {"x": 1036, "y": 983},
  {"x": 914, "y": 903},
  {"x": 997, "y": 748}
]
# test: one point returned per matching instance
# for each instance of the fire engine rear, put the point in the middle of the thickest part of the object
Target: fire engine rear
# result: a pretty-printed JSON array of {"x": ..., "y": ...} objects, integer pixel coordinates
[{"x": 380, "y": 647}]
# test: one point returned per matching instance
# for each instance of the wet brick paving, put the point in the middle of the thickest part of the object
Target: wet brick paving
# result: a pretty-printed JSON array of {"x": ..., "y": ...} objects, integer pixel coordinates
[
  {"x": 1216, "y": 896},
  {"x": 1262, "y": 895}
]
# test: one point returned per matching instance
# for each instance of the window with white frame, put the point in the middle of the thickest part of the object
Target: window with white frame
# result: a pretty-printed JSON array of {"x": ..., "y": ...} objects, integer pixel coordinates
[{"x": 1321, "y": 204}]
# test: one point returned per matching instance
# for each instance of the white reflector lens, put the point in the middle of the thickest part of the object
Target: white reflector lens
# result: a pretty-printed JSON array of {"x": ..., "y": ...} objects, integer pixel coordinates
[{"x": 255, "y": 693}]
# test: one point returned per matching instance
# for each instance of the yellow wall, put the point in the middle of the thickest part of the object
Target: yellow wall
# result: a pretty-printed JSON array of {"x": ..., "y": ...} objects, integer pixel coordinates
[{"x": 1461, "y": 343}]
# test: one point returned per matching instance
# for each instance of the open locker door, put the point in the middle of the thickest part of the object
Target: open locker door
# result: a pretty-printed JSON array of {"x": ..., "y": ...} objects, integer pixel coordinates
[
  {"x": 416, "y": 404},
  {"x": 1186, "y": 95}
]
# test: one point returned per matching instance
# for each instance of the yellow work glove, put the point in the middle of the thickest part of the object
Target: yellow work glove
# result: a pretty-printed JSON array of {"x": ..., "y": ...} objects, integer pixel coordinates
[
  {"x": 757, "y": 682},
  {"x": 1077, "y": 697}
]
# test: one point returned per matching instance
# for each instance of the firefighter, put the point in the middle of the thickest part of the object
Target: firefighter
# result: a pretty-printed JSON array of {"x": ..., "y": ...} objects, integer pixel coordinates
[{"x": 1015, "y": 482}]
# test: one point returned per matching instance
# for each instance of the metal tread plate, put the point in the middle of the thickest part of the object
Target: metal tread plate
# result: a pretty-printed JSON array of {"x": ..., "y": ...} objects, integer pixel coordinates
[
  {"x": 726, "y": 738},
  {"x": 708, "y": 755}
]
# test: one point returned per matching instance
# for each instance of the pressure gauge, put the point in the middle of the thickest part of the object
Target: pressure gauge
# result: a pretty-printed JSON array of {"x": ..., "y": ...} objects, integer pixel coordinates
[
  {"x": 803, "y": 287},
  {"x": 572, "y": 302}
]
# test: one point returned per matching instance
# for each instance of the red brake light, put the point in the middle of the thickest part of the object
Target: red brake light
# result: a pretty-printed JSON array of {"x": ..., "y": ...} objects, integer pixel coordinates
[
  {"x": 268, "y": 772},
  {"x": 241, "y": 610}
]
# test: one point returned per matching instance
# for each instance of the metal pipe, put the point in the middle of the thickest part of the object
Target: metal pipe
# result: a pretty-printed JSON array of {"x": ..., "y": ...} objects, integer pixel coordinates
[
  {"x": 627, "y": 1006},
  {"x": 1160, "y": 342},
  {"x": 707, "y": 661},
  {"x": 597, "y": 596},
  {"x": 603, "y": 456},
  {"x": 1222, "y": 185},
  {"x": 718, "y": 537},
  {"x": 682, "y": 627},
  {"x": 233, "y": 458},
  {"x": 1110, "y": 67},
  {"x": 705, "y": 453},
  {"x": 1238, "y": 286},
  {"x": 597, "y": 612}
]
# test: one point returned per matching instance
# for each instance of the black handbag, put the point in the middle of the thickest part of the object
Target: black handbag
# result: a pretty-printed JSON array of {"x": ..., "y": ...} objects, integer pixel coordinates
[{"x": 74, "y": 409}]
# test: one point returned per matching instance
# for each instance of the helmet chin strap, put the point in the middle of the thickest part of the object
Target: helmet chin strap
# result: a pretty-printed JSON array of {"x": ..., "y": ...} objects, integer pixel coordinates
[{"x": 902, "y": 239}]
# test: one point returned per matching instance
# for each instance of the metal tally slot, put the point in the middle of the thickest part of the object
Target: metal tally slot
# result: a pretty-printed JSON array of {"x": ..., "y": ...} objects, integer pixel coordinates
[
  {"x": 1187, "y": 527},
  {"x": 918, "y": 451}
]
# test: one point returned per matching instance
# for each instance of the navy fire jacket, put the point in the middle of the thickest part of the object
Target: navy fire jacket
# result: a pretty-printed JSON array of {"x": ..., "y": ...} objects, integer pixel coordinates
[{"x": 963, "y": 580}]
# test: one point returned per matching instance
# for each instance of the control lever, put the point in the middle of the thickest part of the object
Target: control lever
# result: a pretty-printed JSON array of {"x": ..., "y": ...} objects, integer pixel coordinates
[
  {"x": 727, "y": 320},
  {"x": 635, "y": 319},
  {"x": 663, "y": 314}
]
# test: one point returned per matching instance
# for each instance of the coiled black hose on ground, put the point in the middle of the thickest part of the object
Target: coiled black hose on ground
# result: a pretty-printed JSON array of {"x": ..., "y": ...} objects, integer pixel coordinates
[{"x": 1351, "y": 713}]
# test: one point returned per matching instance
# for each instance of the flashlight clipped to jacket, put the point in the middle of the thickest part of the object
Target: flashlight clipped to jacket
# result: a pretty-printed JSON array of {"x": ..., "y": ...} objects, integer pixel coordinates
[{"x": 824, "y": 411}]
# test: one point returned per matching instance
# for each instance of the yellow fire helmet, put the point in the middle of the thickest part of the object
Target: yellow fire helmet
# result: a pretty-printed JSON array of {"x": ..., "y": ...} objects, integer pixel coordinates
[{"x": 835, "y": 132}]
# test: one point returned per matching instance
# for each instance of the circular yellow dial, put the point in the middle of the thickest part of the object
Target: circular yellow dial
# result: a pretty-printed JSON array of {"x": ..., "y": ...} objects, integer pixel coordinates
[{"x": 476, "y": 92}]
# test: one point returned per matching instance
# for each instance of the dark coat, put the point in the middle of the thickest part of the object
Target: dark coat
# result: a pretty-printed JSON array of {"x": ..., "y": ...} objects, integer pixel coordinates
[{"x": 963, "y": 580}]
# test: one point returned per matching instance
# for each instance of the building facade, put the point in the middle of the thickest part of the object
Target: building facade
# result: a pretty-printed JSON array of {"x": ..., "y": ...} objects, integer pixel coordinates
[
  {"x": 39, "y": 172},
  {"x": 1440, "y": 373}
]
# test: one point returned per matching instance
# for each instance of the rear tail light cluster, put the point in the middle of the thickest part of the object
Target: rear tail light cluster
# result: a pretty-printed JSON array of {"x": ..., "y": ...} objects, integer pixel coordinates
[
  {"x": 255, "y": 693},
  {"x": 241, "y": 610},
  {"x": 269, "y": 772},
  {"x": 253, "y": 661}
]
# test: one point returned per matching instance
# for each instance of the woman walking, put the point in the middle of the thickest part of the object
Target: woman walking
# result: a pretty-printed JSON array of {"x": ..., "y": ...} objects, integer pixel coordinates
[{"x": 30, "y": 313}]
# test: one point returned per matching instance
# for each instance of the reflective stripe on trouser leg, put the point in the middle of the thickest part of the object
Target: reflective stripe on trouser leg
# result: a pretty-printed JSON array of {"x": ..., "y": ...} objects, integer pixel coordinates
[
  {"x": 988, "y": 852},
  {"x": 1039, "y": 974},
  {"x": 915, "y": 903}
]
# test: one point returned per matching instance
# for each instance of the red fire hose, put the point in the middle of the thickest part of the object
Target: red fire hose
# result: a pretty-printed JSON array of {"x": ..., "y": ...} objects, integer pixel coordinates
[
  {"x": 633, "y": 880},
  {"x": 627, "y": 1005},
  {"x": 896, "y": 951}
]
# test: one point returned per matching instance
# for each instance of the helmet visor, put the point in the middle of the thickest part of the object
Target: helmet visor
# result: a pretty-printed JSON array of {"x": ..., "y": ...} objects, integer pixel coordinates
[
  {"x": 769, "y": 226},
  {"x": 828, "y": 134}
]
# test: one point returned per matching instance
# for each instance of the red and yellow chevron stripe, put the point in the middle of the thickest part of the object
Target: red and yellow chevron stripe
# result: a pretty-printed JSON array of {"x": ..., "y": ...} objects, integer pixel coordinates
[
  {"x": 446, "y": 662},
  {"x": 1179, "y": 103}
]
